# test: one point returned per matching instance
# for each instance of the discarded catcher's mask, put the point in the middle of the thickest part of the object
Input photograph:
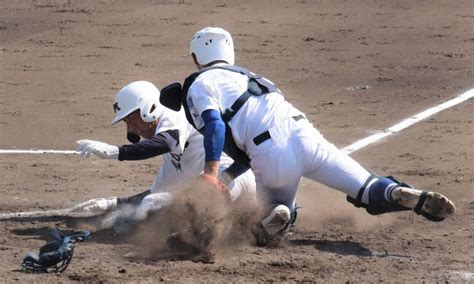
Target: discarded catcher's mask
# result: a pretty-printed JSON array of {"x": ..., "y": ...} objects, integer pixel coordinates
[{"x": 56, "y": 255}]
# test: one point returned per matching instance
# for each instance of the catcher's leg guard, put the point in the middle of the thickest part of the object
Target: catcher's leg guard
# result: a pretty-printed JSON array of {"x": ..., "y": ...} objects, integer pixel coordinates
[
  {"x": 380, "y": 200},
  {"x": 294, "y": 216},
  {"x": 387, "y": 194}
]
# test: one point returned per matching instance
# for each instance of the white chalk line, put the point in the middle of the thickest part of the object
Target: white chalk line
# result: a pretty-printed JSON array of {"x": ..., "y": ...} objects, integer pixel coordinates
[
  {"x": 32, "y": 151},
  {"x": 407, "y": 122},
  {"x": 348, "y": 149}
]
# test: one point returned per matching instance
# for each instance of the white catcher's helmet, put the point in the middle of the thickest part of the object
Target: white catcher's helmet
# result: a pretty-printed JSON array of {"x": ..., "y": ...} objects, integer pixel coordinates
[
  {"x": 140, "y": 95},
  {"x": 211, "y": 44}
]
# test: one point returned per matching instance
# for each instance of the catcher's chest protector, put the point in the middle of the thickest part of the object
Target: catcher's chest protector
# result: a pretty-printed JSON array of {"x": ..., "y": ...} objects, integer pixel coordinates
[{"x": 257, "y": 86}]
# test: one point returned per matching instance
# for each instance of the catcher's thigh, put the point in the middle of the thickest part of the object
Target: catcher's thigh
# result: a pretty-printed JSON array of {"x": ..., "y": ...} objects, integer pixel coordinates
[{"x": 336, "y": 170}]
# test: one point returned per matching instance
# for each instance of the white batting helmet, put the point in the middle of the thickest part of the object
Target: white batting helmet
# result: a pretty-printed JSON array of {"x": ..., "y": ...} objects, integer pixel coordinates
[
  {"x": 139, "y": 95},
  {"x": 211, "y": 44}
]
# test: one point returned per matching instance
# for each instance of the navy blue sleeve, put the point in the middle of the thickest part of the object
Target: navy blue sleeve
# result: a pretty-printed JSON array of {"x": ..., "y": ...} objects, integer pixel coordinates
[
  {"x": 235, "y": 170},
  {"x": 159, "y": 144},
  {"x": 134, "y": 199},
  {"x": 214, "y": 135}
]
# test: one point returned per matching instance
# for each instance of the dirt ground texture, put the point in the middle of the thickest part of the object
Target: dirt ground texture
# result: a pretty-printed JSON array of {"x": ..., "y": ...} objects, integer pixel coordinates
[{"x": 354, "y": 68}]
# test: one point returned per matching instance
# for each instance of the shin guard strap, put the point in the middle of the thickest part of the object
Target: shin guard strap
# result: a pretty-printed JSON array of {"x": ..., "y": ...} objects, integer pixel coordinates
[
  {"x": 419, "y": 206},
  {"x": 358, "y": 200}
]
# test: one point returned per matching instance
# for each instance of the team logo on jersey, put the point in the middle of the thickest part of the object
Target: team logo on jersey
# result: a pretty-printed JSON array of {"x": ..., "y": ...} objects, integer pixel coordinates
[{"x": 176, "y": 160}]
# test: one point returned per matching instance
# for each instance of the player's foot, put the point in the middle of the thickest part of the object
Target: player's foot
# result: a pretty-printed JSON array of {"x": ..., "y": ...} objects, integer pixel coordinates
[
  {"x": 433, "y": 206},
  {"x": 277, "y": 220},
  {"x": 272, "y": 228}
]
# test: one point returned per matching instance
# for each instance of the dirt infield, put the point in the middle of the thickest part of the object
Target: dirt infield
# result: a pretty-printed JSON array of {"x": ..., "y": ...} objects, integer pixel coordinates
[{"x": 353, "y": 68}]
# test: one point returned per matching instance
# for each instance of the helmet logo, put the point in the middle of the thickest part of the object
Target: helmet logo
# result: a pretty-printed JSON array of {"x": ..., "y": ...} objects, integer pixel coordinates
[{"x": 116, "y": 107}]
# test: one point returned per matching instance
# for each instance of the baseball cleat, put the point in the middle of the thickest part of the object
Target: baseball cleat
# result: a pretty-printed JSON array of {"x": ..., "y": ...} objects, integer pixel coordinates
[
  {"x": 272, "y": 228},
  {"x": 433, "y": 206},
  {"x": 277, "y": 221}
]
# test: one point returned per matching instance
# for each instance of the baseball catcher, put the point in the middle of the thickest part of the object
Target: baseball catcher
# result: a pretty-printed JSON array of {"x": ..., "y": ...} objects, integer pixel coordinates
[{"x": 246, "y": 116}]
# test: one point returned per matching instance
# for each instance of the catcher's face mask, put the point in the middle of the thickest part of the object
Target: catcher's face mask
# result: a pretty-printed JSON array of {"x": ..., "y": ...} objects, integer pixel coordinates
[{"x": 56, "y": 255}]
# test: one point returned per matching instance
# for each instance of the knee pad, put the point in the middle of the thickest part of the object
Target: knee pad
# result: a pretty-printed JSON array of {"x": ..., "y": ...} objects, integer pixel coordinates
[{"x": 380, "y": 192}]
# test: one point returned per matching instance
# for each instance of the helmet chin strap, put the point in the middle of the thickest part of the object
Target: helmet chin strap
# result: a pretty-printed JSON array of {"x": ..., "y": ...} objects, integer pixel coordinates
[{"x": 153, "y": 125}]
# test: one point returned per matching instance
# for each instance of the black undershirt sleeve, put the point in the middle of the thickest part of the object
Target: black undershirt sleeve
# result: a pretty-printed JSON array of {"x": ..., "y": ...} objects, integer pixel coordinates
[{"x": 159, "y": 144}]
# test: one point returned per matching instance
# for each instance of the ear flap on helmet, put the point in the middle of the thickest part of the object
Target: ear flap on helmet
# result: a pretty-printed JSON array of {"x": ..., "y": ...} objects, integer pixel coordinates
[
  {"x": 171, "y": 96},
  {"x": 150, "y": 111}
]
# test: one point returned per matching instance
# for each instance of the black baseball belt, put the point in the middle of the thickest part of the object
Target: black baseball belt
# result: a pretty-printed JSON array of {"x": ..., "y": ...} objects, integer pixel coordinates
[{"x": 262, "y": 137}]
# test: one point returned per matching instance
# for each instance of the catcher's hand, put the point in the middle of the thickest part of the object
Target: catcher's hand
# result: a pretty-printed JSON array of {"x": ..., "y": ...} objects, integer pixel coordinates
[
  {"x": 102, "y": 150},
  {"x": 214, "y": 182}
]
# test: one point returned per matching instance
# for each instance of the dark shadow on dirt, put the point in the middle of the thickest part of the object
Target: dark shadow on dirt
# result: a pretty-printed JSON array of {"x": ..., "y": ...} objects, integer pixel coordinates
[
  {"x": 205, "y": 258},
  {"x": 338, "y": 247},
  {"x": 109, "y": 236},
  {"x": 42, "y": 233}
]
